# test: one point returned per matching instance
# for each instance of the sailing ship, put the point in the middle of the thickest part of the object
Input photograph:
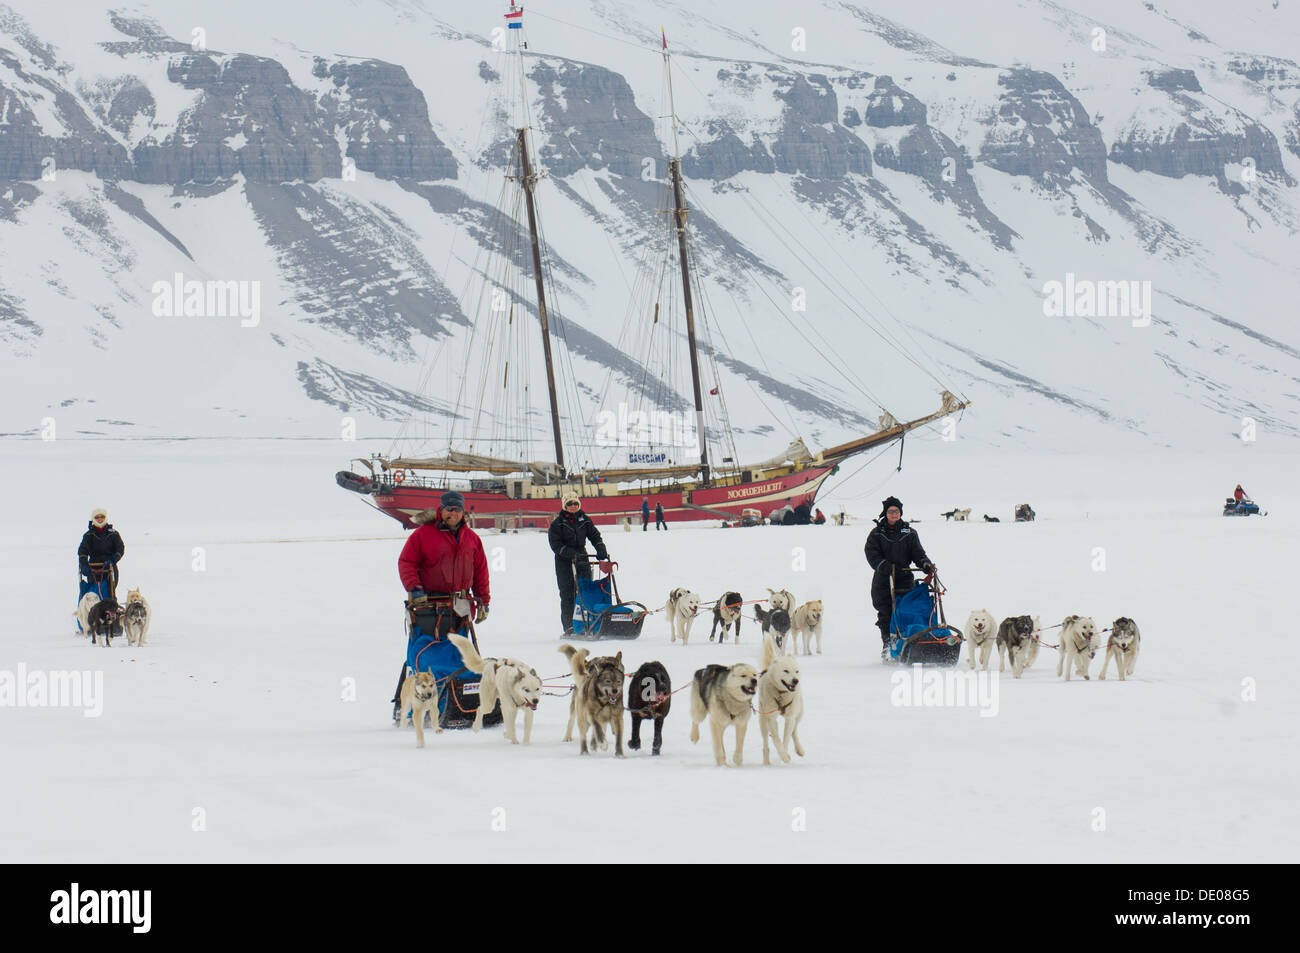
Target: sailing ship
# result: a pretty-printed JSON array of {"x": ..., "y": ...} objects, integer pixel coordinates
[{"x": 514, "y": 492}]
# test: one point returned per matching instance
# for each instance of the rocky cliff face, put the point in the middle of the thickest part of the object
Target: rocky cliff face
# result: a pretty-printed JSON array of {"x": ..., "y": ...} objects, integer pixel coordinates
[
  {"x": 250, "y": 119},
  {"x": 385, "y": 119},
  {"x": 1042, "y": 131}
]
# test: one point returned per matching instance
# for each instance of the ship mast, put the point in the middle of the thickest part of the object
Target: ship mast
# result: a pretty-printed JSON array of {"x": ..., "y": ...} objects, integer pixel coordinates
[
  {"x": 679, "y": 221},
  {"x": 528, "y": 179}
]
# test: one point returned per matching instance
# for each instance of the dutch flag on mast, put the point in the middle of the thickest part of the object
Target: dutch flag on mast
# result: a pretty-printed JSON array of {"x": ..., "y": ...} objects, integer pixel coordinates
[{"x": 515, "y": 16}]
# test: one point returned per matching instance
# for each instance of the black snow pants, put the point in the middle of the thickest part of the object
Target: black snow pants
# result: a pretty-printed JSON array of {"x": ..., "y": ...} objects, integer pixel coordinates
[
  {"x": 565, "y": 570},
  {"x": 903, "y": 581}
]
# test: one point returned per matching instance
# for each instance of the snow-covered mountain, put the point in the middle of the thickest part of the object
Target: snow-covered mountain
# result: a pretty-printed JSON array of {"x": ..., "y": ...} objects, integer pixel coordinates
[{"x": 982, "y": 184}]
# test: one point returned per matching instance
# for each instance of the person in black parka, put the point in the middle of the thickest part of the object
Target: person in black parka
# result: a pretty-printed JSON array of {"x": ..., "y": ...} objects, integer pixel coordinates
[
  {"x": 892, "y": 546},
  {"x": 102, "y": 546},
  {"x": 568, "y": 536}
]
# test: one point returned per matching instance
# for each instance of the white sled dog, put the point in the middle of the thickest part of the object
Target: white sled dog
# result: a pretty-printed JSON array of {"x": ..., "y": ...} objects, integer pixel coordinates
[
  {"x": 1078, "y": 645},
  {"x": 87, "y": 603},
  {"x": 578, "y": 665},
  {"x": 1122, "y": 647},
  {"x": 517, "y": 686},
  {"x": 138, "y": 616},
  {"x": 1035, "y": 639},
  {"x": 724, "y": 696},
  {"x": 682, "y": 605},
  {"x": 779, "y": 696},
  {"x": 780, "y": 599},
  {"x": 808, "y": 620},
  {"x": 981, "y": 635},
  {"x": 420, "y": 695},
  {"x": 962, "y": 516}
]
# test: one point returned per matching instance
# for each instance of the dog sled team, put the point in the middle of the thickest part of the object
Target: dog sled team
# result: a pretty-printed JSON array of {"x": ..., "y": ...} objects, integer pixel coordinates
[
  {"x": 1017, "y": 639},
  {"x": 724, "y": 696},
  {"x": 99, "y": 614},
  {"x": 1024, "y": 513},
  {"x": 781, "y": 620}
]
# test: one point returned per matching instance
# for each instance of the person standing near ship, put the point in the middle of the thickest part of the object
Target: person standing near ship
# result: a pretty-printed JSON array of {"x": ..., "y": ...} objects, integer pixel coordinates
[
  {"x": 660, "y": 522},
  {"x": 645, "y": 513},
  {"x": 568, "y": 537}
]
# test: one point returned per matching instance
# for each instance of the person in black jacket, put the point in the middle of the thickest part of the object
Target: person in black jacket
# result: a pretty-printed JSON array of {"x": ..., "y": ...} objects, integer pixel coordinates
[
  {"x": 892, "y": 546},
  {"x": 568, "y": 536},
  {"x": 100, "y": 550}
]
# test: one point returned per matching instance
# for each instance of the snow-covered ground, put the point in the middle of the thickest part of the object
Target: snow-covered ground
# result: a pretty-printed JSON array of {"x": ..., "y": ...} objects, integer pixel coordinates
[{"x": 232, "y": 718}]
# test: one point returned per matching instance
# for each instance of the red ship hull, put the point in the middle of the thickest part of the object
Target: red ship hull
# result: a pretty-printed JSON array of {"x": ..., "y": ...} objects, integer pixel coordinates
[{"x": 402, "y": 501}]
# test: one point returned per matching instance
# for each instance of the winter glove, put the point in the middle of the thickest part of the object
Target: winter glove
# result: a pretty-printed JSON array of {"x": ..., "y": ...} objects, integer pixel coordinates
[
  {"x": 417, "y": 595},
  {"x": 481, "y": 616}
]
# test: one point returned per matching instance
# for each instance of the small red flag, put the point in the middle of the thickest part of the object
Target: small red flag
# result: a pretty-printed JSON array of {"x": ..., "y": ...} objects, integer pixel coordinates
[
  {"x": 665, "y": 36},
  {"x": 714, "y": 391}
]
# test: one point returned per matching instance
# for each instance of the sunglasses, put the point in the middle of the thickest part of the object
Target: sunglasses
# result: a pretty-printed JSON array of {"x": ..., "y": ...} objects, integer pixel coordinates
[
  {"x": 573, "y": 503},
  {"x": 895, "y": 510},
  {"x": 100, "y": 519},
  {"x": 453, "y": 509}
]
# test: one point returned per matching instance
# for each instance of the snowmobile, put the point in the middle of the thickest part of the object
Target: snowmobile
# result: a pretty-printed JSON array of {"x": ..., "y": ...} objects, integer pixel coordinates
[
  {"x": 600, "y": 613},
  {"x": 1244, "y": 508},
  {"x": 918, "y": 631}
]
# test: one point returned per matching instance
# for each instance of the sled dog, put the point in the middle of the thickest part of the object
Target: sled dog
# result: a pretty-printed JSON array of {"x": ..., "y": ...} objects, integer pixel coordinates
[
  {"x": 578, "y": 665},
  {"x": 723, "y": 695},
  {"x": 980, "y": 637},
  {"x": 962, "y": 516},
  {"x": 517, "y": 686},
  {"x": 1078, "y": 645},
  {"x": 726, "y": 611},
  {"x": 682, "y": 605},
  {"x": 1013, "y": 640},
  {"x": 779, "y": 696},
  {"x": 649, "y": 695},
  {"x": 105, "y": 618},
  {"x": 138, "y": 617},
  {"x": 780, "y": 599},
  {"x": 420, "y": 695},
  {"x": 83, "y": 611},
  {"x": 1122, "y": 647},
  {"x": 1035, "y": 639},
  {"x": 598, "y": 697},
  {"x": 776, "y": 623},
  {"x": 808, "y": 620},
  {"x": 991, "y": 519},
  {"x": 949, "y": 515}
]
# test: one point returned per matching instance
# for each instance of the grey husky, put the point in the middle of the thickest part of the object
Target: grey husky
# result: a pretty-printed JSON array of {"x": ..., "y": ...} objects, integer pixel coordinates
[
  {"x": 597, "y": 696},
  {"x": 1015, "y": 636},
  {"x": 1122, "y": 647}
]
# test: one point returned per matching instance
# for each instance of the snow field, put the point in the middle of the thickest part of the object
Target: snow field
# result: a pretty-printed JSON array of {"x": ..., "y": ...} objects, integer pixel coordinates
[{"x": 235, "y": 706}]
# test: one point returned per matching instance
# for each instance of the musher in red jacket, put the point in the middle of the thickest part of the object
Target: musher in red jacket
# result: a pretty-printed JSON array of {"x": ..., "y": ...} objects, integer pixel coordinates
[{"x": 442, "y": 557}]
